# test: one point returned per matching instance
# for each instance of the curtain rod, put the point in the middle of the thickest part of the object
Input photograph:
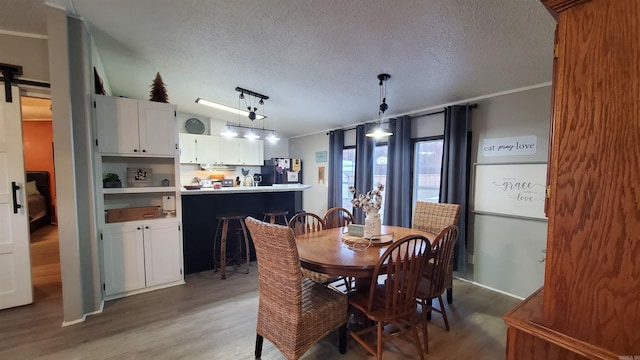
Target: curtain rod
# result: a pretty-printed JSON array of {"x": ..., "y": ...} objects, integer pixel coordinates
[{"x": 472, "y": 106}]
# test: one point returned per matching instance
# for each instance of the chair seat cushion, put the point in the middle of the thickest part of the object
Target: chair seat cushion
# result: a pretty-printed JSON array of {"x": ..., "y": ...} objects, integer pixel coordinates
[{"x": 319, "y": 277}]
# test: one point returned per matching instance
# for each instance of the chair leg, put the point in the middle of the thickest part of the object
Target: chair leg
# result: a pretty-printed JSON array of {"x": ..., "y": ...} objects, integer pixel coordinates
[
  {"x": 429, "y": 312},
  {"x": 379, "y": 344},
  {"x": 259, "y": 340},
  {"x": 416, "y": 340},
  {"x": 342, "y": 338},
  {"x": 450, "y": 296},
  {"x": 223, "y": 250},
  {"x": 444, "y": 312},
  {"x": 425, "y": 331},
  {"x": 246, "y": 242}
]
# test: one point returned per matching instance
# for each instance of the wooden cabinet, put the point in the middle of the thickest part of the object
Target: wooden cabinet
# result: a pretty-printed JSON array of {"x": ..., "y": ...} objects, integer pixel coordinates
[
  {"x": 589, "y": 303},
  {"x": 135, "y": 127},
  {"x": 140, "y": 255},
  {"x": 217, "y": 150}
]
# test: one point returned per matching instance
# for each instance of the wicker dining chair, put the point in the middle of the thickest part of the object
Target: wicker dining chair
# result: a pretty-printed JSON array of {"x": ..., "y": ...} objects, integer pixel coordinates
[
  {"x": 338, "y": 217},
  {"x": 293, "y": 312},
  {"x": 393, "y": 302},
  {"x": 433, "y": 286},
  {"x": 432, "y": 218}
]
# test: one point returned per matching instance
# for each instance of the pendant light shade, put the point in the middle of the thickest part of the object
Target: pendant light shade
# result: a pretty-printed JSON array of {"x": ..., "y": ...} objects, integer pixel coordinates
[
  {"x": 228, "y": 132},
  {"x": 380, "y": 131}
]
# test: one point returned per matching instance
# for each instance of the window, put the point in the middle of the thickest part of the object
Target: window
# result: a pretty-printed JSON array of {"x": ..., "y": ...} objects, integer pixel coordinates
[
  {"x": 348, "y": 176},
  {"x": 427, "y": 166},
  {"x": 380, "y": 171}
]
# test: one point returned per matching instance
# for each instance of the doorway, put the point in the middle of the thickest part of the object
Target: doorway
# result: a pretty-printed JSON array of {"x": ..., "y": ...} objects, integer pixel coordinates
[{"x": 37, "y": 136}]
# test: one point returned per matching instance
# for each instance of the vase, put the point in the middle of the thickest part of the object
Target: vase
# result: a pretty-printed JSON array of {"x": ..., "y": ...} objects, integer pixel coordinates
[{"x": 372, "y": 225}]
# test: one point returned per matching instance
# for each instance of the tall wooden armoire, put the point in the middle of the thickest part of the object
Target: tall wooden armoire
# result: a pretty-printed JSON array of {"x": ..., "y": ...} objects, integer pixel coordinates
[{"x": 589, "y": 305}]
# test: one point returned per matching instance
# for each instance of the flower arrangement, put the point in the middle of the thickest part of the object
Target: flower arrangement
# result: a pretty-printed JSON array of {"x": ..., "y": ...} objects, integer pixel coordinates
[{"x": 371, "y": 202}]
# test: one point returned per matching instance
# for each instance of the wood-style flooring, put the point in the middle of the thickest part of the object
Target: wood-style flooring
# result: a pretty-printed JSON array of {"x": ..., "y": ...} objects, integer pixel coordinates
[{"x": 210, "y": 318}]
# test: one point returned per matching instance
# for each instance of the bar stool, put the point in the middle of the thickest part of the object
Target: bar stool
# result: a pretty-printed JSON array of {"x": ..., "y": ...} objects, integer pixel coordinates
[
  {"x": 273, "y": 216},
  {"x": 224, "y": 220}
]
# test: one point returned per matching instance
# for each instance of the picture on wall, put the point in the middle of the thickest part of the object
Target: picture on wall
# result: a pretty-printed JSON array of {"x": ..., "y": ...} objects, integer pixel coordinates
[{"x": 516, "y": 190}]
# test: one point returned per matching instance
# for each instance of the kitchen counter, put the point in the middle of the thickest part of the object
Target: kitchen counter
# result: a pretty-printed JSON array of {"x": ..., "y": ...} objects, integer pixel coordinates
[
  {"x": 247, "y": 189},
  {"x": 201, "y": 207}
]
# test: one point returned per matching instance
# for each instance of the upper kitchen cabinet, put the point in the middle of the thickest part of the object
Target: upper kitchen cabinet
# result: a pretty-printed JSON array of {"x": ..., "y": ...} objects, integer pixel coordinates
[
  {"x": 135, "y": 127},
  {"x": 217, "y": 150},
  {"x": 241, "y": 152}
]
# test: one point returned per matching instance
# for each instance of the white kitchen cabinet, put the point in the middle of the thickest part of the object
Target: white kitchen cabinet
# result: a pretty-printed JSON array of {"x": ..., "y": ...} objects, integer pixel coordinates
[
  {"x": 140, "y": 255},
  {"x": 135, "y": 127},
  {"x": 253, "y": 153},
  {"x": 209, "y": 149},
  {"x": 230, "y": 151},
  {"x": 141, "y": 248},
  {"x": 162, "y": 253},
  {"x": 123, "y": 258},
  {"x": 188, "y": 148}
]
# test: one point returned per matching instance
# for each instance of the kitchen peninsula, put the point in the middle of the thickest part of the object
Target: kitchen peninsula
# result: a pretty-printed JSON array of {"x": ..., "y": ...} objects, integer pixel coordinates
[{"x": 200, "y": 208}]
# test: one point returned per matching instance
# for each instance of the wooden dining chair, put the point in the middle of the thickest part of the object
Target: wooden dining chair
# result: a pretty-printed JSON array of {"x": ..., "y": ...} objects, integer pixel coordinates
[
  {"x": 393, "y": 302},
  {"x": 433, "y": 218},
  {"x": 306, "y": 222},
  {"x": 338, "y": 217},
  {"x": 293, "y": 312},
  {"x": 434, "y": 285}
]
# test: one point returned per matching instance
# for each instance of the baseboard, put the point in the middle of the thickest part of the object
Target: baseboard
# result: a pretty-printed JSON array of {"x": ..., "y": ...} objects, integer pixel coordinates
[
  {"x": 84, "y": 317},
  {"x": 489, "y": 288}
]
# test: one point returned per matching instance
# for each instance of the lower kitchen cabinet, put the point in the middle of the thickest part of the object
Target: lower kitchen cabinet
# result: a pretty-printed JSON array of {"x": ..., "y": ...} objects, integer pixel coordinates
[{"x": 139, "y": 256}]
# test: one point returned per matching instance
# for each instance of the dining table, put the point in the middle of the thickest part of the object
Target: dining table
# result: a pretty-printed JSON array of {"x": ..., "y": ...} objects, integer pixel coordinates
[{"x": 327, "y": 252}]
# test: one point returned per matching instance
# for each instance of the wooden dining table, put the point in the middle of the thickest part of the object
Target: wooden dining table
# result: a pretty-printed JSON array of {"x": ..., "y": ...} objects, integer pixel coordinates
[{"x": 324, "y": 251}]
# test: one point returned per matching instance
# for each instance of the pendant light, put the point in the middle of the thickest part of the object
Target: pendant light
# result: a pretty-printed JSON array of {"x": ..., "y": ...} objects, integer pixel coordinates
[{"x": 380, "y": 131}]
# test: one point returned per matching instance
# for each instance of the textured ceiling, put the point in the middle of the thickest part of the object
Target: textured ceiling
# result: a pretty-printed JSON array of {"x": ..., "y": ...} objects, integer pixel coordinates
[{"x": 316, "y": 60}]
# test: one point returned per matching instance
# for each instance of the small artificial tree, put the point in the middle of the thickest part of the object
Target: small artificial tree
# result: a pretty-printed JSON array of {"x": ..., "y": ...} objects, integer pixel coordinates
[{"x": 159, "y": 90}]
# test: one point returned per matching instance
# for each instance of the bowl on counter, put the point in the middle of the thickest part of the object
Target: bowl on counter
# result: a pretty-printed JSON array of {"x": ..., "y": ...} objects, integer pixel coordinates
[{"x": 192, "y": 187}]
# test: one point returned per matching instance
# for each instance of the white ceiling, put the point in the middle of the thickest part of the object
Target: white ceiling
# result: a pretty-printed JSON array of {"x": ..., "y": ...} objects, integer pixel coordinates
[{"x": 317, "y": 60}]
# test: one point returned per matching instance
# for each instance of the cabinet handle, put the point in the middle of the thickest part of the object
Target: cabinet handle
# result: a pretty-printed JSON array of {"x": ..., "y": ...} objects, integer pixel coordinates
[
  {"x": 135, "y": 150},
  {"x": 146, "y": 227},
  {"x": 139, "y": 228},
  {"x": 143, "y": 150}
]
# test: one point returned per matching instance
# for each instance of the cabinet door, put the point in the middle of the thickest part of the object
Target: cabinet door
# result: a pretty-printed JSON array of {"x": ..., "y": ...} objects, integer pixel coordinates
[
  {"x": 117, "y": 125},
  {"x": 123, "y": 257},
  {"x": 208, "y": 149},
  {"x": 188, "y": 150},
  {"x": 163, "y": 253},
  {"x": 230, "y": 152},
  {"x": 157, "y": 128},
  {"x": 253, "y": 153}
]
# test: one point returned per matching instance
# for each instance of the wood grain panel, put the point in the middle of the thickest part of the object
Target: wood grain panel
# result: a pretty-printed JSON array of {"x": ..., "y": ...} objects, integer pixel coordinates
[
  {"x": 524, "y": 346},
  {"x": 556, "y": 6},
  {"x": 592, "y": 274}
]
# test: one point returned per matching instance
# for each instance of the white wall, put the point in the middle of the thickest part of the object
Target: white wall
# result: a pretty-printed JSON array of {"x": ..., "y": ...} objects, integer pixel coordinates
[
  {"x": 506, "y": 249},
  {"x": 305, "y": 148}
]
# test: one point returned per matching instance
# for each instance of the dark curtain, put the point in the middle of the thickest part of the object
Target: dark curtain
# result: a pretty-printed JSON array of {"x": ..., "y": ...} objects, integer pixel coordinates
[
  {"x": 364, "y": 165},
  {"x": 454, "y": 185},
  {"x": 336, "y": 145},
  {"x": 397, "y": 194}
]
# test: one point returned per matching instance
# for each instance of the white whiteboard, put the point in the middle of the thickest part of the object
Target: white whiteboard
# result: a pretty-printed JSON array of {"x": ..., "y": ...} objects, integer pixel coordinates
[{"x": 510, "y": 189}]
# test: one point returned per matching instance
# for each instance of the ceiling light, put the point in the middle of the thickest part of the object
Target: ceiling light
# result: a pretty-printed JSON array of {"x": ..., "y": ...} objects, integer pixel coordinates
[
  {"x": 228, "y": 132},
  {"x": 251, "y": 135},
  {"x": 226, "y": 108},
  {"x": 380, "y": 131},
  {"x": 272, "y": 137}
]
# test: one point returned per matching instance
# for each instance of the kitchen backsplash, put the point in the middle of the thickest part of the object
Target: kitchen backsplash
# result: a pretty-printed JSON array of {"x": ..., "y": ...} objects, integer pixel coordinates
[{"x": 189, "y": 171}]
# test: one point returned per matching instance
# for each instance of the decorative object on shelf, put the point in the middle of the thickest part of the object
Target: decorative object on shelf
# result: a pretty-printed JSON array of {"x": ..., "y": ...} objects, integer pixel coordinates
[
  {"x": 132, "y": 214},
  {"x": 380, "y": 131},
  {"x": 111, "y": 180},
  {"x": 169, "y": 206},
  {"x": 139, "y": 177},
  {"x": 159, "y": 90},
  {"x": 194, "y": 126},
  {"x": 371, "y": 202},
  {"x": 165, "y": 182},
  {"x": 97, "y": 83}
]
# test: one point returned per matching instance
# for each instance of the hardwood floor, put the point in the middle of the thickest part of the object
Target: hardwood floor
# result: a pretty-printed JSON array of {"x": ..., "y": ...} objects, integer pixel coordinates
[{"x": 209, "y": 318}]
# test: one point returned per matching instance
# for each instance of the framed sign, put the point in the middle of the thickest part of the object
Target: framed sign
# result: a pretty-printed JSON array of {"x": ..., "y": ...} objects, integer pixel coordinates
[
  {"x": 516, "y": 190},
  {"x": 321, "y": 156}
]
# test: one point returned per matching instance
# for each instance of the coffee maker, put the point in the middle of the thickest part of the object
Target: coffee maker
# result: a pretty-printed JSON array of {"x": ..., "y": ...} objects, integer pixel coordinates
[{"x": 257, "y": 179}]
